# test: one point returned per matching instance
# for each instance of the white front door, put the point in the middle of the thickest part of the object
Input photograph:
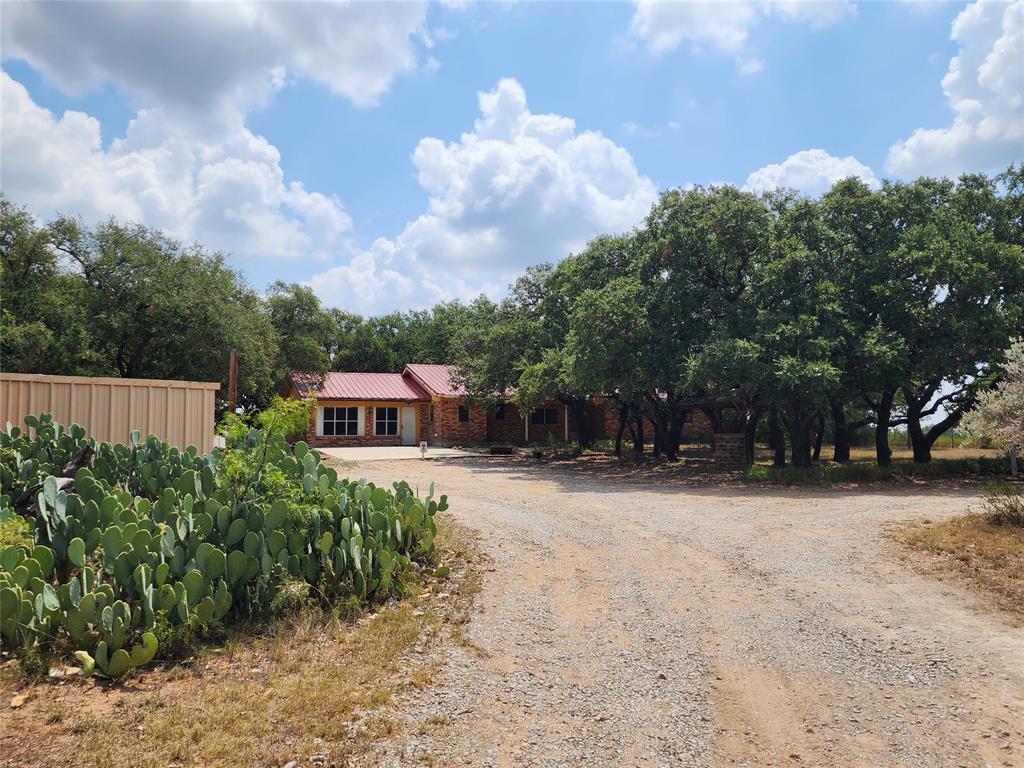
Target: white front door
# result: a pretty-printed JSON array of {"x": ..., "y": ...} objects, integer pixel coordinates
[{"x": 408, "y": 426}]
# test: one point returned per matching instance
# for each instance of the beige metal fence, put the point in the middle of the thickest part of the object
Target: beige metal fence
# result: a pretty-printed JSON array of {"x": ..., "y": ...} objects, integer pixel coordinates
[{"x": 180, "y": 412}]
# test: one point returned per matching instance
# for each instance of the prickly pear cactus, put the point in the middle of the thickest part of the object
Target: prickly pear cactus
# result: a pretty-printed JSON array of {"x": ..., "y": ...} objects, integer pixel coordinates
[{"x": 145, "y": 538}]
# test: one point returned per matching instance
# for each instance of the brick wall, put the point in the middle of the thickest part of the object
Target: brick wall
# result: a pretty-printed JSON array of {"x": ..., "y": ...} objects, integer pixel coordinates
[
  {"x": 505, "y": 430},
  {"x": 730, "y": 450},
  {"x": 699, "y": 427},
  {"x": 606, "y": 421},
  {"x": 511, "y": 429},
  {"x": 446, "y": 429}
]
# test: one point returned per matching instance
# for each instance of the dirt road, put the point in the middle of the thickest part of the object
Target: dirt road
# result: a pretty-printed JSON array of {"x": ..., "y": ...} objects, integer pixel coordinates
[{"x": 653, "y": 624}]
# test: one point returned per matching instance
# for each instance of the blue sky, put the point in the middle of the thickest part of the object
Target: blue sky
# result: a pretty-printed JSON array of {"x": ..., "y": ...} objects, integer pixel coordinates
[{"x": 393, "y": 155}]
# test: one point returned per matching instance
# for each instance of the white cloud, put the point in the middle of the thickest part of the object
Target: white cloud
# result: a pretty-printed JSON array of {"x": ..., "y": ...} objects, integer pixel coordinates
[
  {"x": 187, "y": 163},
  {"x": 632, "y": 128},
  {"x": 230, "y": 194},
  {"x": 816, "y": 14},
  {"x": 664, "y": 25},
  {"x": 518, "y": 189},
  {"x": 726, "y": 25},
  {"x": 750, "y": 66},
  {"x": 985, "y": 89},
  {"x": 812, "y": 171},
  {"x": 202, "y": 57}
]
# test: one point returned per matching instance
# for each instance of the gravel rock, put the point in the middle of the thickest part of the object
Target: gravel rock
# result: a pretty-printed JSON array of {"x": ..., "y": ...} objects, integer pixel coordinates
[{"x": 629, "y": 623}]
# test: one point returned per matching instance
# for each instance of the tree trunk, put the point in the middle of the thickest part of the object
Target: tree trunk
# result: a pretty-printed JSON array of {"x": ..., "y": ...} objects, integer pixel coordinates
[
  {"x": 842, "y": 434},
  {"x": 800, "y": 441},
  {"x": 579, "y": 407},
  {"x": 775, "y": 441},
  {"x": 623, "y": 417},
  {"x": 883, "y": 454},
  {"x": 751, "y": 432},
  {"x": 638, "y": 436},
  {"x": 674, "y": 433},
  {"x": 663, "y": 437},
  {"x": 667, "y": 423},
  {"x": 919, "y": 441},
  {"x": 819, "y": 435}
]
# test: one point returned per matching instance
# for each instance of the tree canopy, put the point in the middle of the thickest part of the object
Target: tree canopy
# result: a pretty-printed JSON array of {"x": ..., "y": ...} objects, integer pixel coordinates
[
  {"x": 882, "y": 306},
  {"x": 865, "y": 306},
  {"x": 120, "y": 299}
]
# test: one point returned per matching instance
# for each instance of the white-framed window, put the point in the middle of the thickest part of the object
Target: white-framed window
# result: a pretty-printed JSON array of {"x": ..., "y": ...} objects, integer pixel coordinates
[
  {"x": 340, "y": 421},
  {"x": 385, "y": 421},
  {"x": 544, "y": 416}
]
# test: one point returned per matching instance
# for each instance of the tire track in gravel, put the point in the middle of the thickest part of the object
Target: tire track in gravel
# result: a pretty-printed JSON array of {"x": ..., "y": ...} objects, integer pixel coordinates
[{"x": 624, "y": 625}]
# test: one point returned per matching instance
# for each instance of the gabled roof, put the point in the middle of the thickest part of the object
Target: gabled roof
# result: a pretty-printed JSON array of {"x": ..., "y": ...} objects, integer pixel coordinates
[
  {"x": 436, "y": 378},
  {"x": 357, "y": 386}
]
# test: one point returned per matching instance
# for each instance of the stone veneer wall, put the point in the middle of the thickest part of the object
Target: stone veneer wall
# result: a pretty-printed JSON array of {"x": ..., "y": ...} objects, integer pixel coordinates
[{"x": 730, "y": 450}]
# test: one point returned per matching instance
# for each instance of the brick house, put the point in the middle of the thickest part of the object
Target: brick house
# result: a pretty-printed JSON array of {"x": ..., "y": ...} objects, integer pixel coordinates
[
  {"x": 421, "y": 403},
  {"x": 362, "y": 409},
  {"x": 551, "y": 420},
  {"x": 451, "y": 419}
]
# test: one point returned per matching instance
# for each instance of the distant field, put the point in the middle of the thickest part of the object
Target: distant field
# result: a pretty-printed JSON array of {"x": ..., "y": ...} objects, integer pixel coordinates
[{"x": 902, "y": 452}]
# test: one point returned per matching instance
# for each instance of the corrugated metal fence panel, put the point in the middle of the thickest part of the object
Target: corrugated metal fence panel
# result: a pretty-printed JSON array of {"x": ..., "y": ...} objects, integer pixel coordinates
[{"x": 180, "y": 412}]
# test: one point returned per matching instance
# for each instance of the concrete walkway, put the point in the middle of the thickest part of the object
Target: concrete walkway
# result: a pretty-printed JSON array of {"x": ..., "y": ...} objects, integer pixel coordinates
[{"x": 393, "y": 453}]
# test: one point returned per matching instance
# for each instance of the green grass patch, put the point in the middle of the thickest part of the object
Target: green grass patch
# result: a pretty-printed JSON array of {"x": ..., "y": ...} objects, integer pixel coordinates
[{"x": 828, "y": 472}]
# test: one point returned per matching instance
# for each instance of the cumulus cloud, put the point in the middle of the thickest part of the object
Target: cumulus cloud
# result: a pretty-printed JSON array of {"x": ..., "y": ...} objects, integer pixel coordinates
[
  {"x": 726, "y": 25},
  {"x": 812, "y": 171},
  {"x": 518, "y": 189},
  {"x": 722, "y": 25},
  {"x": 187, "y": 163},
  {"x": 203, "y": 57},
  {"x": 230, "y": 194},
  {"x": 984, "y": 86}
]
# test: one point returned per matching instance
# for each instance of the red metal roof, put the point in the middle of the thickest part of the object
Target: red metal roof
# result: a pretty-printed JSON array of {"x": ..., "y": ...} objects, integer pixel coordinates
[
  {"x": 357, "y": 386},
  {"x": 436, "y": 378}
]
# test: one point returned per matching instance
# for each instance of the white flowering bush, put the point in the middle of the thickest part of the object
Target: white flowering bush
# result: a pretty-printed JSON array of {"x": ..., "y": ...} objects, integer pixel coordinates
[{"x": 999, "y": 415}]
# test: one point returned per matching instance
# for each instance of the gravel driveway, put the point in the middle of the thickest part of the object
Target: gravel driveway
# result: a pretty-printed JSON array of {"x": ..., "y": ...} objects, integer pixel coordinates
[{"x": 655, "y": 624}]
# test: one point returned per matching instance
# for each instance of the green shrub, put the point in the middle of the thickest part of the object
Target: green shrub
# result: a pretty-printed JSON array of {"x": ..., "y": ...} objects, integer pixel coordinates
[
  {"x": 863, "y": 471},
  {"x": 286, "y": 417},
  {"x": 15, "y": 530},
  {"x": 153, "y": 548},
  {"x": 555, "y": 445}
]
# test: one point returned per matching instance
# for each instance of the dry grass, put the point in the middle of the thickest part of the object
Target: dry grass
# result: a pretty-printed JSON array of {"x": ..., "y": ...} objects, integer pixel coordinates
[
  {"x": 311, "y": 684},
  {"x": 990, "y": 557},
  {"x": 903, "y": 452}
]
